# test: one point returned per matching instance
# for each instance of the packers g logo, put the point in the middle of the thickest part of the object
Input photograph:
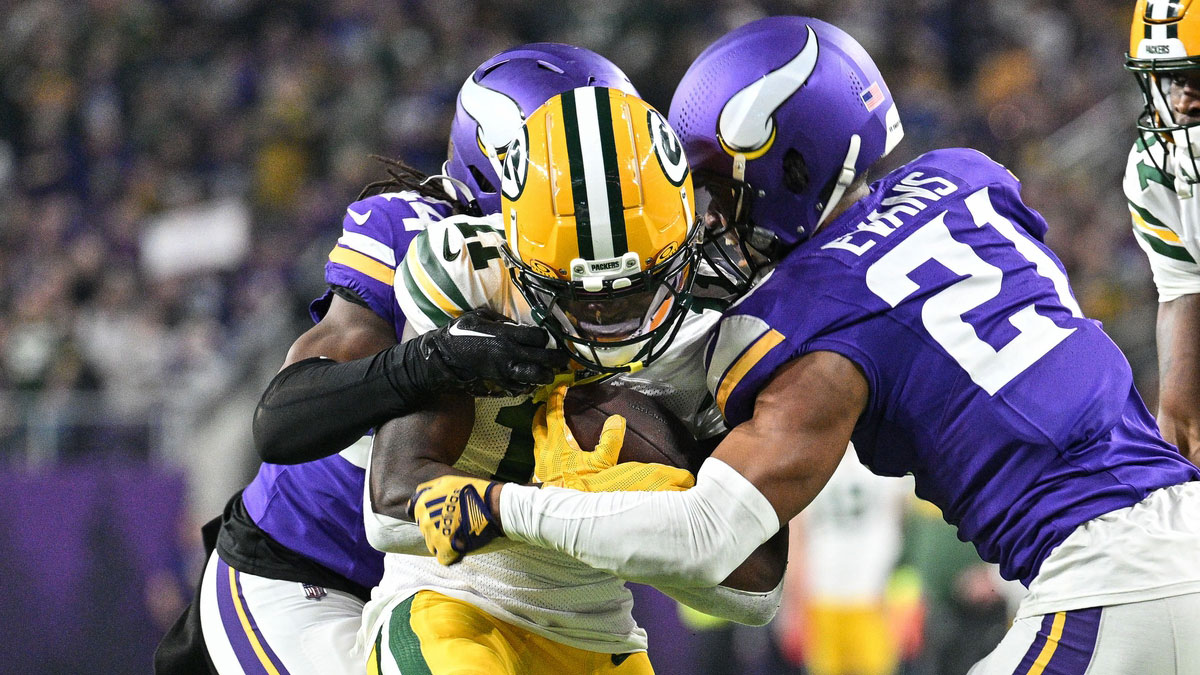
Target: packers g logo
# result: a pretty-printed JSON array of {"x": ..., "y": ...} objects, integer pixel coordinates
[
  {"x": 515, "y": 169},
  {"x": 667, "y": 148}
]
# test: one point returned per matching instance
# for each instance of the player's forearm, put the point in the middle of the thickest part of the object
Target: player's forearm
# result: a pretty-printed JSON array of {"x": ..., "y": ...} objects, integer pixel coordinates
[
  {"x": 419, "y": 446},
  {"x": 764, "y": 568},
  {"x": 316, "y": 407},
  {"x": 1182, "y": 428},
  {"x": 1178, "y": 336},
  {"x": 393, "y": 535},
  {"x": 692, "y": 538}
]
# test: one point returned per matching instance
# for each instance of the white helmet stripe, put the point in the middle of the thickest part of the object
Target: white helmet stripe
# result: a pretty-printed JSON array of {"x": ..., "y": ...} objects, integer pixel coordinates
[
  {"x": 594, "y": 175},
  {"x": 746, "y": 122}
]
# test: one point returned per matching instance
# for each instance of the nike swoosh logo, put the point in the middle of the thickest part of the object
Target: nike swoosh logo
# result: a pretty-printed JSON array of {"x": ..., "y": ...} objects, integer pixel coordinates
[
  {"x": 449, "y": 255},
  {"x": 359, "y": 218},
  {"x": 458, "y": 331},
  {"x": 747, "y": 121}
]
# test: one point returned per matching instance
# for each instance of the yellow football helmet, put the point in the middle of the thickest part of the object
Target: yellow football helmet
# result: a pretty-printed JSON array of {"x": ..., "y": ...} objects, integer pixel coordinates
[
  {"x": 1164, "y": 41},
  {"x": 599, "y": 218}
]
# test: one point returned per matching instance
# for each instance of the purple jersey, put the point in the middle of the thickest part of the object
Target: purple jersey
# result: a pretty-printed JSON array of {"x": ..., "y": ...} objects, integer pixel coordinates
[
  {"x": 1016, "y": 415},
  {"x": 315, "y": 508},
  {"x": 376, "y": 232}
]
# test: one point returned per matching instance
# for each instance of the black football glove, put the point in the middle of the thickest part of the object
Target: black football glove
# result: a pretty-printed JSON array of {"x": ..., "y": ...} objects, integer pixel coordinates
[{"x": 485, "y": 354}]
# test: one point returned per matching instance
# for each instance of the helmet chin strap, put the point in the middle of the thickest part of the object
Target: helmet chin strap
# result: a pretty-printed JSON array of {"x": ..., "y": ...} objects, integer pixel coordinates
[
  {"x": 739, "y": 167},
  {"x": 844, "y": 179},
  {"x": 452, "y": 185}
]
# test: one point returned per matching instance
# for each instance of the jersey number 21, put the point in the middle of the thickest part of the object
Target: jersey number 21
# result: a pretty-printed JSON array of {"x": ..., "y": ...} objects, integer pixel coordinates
[{"x": 942, "y": 314}]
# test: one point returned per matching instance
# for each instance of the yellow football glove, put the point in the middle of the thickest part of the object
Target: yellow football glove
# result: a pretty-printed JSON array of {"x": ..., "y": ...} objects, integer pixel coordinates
[
  {"x": 454, "y": 515},
  {"x": 560, "y": 462}
]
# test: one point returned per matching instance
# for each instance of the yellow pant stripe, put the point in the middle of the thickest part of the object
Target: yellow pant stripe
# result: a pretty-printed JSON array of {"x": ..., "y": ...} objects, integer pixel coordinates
[
  {"x": 245, "y": 621},
  {"x": 1051, "y": 645}
]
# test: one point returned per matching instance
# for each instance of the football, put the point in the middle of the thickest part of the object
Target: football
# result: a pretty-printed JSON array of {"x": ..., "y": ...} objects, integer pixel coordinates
[{"x": 652, "y": 433}]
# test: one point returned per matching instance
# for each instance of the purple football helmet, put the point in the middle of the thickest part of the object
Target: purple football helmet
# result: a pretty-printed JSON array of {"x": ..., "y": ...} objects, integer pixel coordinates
[
  {"x": 777, "y": 118},
  {"x": 494, "y": 100}
]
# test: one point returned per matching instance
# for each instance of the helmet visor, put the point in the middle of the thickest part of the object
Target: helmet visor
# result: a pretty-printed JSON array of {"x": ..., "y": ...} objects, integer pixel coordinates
[
  {"x": 613, "y": 315},
  {"x": 612, "y": 327}
]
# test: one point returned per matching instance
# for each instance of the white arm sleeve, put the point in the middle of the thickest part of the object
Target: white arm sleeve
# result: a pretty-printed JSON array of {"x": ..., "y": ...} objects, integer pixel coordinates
[
  {"x": 690, "y": 538},
  {"x": 748, "y": 607},
  {"x": 392, "y": 535},
  {"x": 385, "y": 533}
]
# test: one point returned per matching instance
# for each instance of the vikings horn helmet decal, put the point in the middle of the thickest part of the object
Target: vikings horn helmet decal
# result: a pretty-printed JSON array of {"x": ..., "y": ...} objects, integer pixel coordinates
[
  {"x": 496, "y": 97},
  {"x": 778, "y": 118},
  {"x": 747, "y": 122},
  {"x": 498, "y": 118}
]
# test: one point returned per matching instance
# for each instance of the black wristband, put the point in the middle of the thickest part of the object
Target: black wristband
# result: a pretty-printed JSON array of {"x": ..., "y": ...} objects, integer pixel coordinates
[{"x": 317, "y": 407}]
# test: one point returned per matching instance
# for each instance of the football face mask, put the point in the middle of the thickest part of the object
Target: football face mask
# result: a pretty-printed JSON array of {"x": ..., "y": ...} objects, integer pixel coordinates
[
  {"x": 732, "y": 246},
  {"x": 627, "y": 322},
  {"x": 1164, "y": 56},
  {"x": 599, "y": 224}
]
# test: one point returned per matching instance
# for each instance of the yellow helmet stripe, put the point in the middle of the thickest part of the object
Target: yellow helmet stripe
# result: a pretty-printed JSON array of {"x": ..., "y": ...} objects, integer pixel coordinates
[
  {"x": 612, "y": 172},
  {"x": 595, "y": 176},
  {"x": 1161, "y": 21}
]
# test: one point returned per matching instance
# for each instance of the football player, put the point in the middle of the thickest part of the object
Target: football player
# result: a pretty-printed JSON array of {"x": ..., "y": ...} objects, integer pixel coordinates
[
  {"x": 1160, "y": 184},
  {"x": 285, "y": 588},
  {"x": 597, "y": 243},
  {"x": 922, "y": 316}
]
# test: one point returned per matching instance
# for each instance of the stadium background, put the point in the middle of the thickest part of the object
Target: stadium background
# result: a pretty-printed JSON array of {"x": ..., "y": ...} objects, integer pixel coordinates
[{"x": 173, "y": 173}]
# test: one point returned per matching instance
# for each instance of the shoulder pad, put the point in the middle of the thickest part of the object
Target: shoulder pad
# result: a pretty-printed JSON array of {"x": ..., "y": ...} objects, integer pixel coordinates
[{"x": 452, "y": 267}]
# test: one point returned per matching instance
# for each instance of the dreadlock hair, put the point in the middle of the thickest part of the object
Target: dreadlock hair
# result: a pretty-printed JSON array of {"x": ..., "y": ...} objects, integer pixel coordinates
[{"x": 404, "y": 177}]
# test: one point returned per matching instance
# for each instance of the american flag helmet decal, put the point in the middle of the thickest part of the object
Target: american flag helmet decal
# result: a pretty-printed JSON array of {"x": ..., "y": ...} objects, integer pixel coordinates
[{"x": 871, "y": 96}]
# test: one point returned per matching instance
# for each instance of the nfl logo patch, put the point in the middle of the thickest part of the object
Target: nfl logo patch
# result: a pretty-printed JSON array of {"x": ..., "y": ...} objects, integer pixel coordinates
[
  {"x": 872, "y": 96},
  {"x": 313, "y": 592}
]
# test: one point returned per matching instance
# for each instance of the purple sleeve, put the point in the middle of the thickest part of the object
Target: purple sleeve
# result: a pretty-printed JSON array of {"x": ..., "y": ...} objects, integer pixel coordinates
[{"x": 376, "y": 233}]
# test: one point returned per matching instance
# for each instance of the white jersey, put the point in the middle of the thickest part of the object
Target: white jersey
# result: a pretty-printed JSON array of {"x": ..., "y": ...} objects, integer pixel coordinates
[
  {"x": 852, "y": 534},
  {"x": 456, "y": 266},
  {"x": 1166, "y": 226}
]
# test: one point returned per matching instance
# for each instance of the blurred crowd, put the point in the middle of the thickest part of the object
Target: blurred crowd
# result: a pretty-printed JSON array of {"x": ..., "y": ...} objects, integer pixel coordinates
[
  {"x": 173, "y": 172},
  {"x": 125, "y": 123}
]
